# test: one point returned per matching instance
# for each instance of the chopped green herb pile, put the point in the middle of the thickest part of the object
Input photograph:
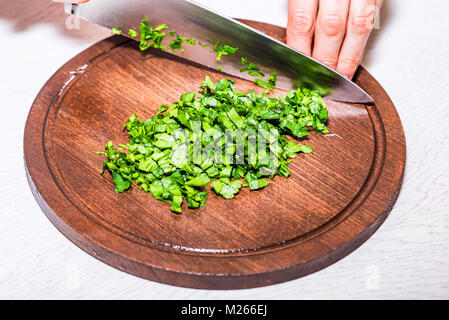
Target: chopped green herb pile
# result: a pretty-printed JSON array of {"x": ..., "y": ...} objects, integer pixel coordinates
[{"x": 222, "y": 137}]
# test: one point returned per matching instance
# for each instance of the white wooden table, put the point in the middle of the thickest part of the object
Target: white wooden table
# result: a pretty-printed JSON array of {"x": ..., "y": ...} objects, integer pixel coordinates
[{"x": 407, "y": 258}]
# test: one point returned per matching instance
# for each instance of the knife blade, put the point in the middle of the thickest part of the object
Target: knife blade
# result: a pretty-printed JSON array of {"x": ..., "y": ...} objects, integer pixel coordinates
[{"x": 192, "y": 20}]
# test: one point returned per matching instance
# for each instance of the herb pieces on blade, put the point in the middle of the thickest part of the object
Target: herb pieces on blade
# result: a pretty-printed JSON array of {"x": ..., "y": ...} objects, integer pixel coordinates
[
  {"x": 151, "y": 37},
  {"x": 221, "y": 137},
  {"x": 116, "y": 30},
  {"x": 176, "y": 44},
  {"x": 252, "y": 70},
  {"x": 132, "y": 33},
  {"x": 223, "y": 50}
]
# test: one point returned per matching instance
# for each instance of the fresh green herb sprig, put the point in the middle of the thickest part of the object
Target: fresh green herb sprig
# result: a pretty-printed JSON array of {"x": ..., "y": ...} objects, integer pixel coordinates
[{"x": 164, "y": 164}]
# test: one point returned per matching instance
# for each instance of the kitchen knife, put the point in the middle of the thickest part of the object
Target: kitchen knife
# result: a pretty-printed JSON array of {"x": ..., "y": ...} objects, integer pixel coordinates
[{"x": 192, "y": 20}]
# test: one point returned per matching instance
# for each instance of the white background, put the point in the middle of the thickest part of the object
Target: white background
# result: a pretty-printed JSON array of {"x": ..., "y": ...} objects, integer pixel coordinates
[{"x": 407, "y": 258}]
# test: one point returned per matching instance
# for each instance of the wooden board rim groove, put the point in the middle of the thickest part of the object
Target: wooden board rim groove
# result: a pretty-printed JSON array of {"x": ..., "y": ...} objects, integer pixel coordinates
[
  {"x": 356, "y": 201},
  {"x": 215, "y": 281}
]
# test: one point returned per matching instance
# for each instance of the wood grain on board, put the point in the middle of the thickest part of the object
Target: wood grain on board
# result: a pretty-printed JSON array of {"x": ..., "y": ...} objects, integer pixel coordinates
[{"x": 333, "y": 201}]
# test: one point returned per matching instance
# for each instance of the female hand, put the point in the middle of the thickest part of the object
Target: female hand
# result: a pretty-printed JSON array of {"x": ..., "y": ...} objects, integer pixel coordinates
[{"x": 334, "y": 32}]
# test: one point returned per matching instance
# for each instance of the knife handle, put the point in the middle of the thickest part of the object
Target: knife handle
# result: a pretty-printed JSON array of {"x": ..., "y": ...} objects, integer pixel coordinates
[{"x": 71, "y": 8}]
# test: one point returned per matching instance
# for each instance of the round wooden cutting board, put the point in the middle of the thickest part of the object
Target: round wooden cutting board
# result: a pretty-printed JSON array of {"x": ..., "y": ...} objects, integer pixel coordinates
[{"x": 333, "y": 201}]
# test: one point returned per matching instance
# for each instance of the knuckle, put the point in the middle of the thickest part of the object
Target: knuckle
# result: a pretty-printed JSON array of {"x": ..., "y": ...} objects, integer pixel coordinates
[
  {"x": 350, "y": 62},
  {"x": 332, "y": 24},
  {"x": 301, "y": 23},
  {"x": 329, "y": 61},
  {"x": 362, "y": 24}
]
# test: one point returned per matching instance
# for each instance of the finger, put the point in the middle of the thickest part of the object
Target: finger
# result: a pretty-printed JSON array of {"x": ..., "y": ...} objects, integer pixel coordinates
[
  {"x": 301, "y": 22},
  {"x": 330, "y": 30},
  {"x": 362, "y": 14}
]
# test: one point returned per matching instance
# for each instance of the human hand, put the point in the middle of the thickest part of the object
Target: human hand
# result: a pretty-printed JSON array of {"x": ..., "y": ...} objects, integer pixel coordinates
[{"x": 334, "y": 32}]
